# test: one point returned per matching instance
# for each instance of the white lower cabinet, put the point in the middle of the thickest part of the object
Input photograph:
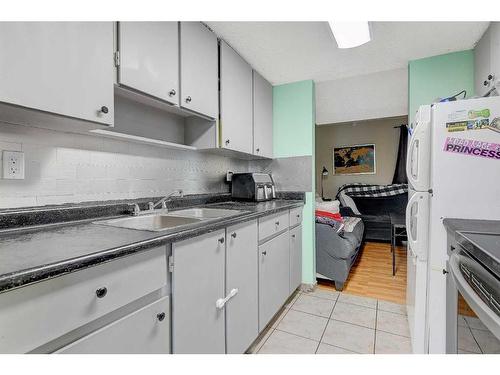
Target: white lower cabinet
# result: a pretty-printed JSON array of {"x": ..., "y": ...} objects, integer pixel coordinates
[
  {"x": 242, "y": 324},
  {"x": 274, "y": 274},
  {"x": 37, "y": 314},
  {"x": 197, "y": 283},
  {"x": 295, "y": 258},
  {"x": 214, "y": 291},
  {"x": 145, "y": 331}
]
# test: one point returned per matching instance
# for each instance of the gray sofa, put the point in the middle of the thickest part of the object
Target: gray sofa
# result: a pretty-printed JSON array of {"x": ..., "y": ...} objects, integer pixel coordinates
[{"x": 337, "y": 252}]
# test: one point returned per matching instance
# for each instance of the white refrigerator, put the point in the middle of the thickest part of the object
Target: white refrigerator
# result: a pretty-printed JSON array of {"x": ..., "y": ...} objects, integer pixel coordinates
[{"x": 453, "y": 168}]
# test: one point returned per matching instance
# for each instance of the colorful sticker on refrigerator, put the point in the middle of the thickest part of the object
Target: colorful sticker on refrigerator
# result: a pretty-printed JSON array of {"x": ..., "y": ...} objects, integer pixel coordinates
[
  {"x": 495, "y": 124},
  {"x": 460, "y": 126},
  {"x": 479, "y": 113},
  {"x": 472, "y": 148}
]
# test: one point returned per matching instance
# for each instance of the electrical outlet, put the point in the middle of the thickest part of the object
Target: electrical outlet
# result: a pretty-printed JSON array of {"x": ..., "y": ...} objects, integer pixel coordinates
[{"x": 13, "y": 165}]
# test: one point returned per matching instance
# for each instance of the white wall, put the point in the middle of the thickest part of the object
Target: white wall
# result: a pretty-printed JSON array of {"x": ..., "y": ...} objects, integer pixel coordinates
[
  {"x": 372, "y": 96},
  {"x": 69, "y": 168}
]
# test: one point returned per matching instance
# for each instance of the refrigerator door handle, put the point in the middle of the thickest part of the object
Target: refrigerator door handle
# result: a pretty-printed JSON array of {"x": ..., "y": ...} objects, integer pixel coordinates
[
  {"x": 418, "y": 157},
  {"x": 408, "y": 217},
  {"x": 409, "y": 161},
  {"x": 419, "y": 243}
]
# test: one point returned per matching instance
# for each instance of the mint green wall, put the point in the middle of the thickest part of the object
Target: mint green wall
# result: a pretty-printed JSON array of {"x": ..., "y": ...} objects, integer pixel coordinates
[
  {"x": 294, "y": 113},
  {"x": 438, "y": 77}
]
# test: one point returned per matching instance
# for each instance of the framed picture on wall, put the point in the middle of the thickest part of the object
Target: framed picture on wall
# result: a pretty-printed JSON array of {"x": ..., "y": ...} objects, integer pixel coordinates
[{"x": 357, "y": 159}]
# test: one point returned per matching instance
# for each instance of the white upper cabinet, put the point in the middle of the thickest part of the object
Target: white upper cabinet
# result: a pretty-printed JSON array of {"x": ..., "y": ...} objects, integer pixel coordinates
[
  {"x": 149, "y": 58},
  {"x": 199, "y": 69},
  {"x": 235, "y": 101},
  {"x": 64, "y": 68},
  {"x": 487, "y": 59},
  {"x": 262, "y": 116}
]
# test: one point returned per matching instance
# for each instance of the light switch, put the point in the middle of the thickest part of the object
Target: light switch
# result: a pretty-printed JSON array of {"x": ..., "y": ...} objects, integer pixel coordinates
[{"x": 13, "y": 165}]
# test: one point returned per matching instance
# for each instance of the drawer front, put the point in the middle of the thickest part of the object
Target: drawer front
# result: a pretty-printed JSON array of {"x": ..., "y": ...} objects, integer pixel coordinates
[
  {"x": 272, "y": 225},
  {"x": 295, "y": 216},
  {"x": 33, "y": 315},
  {"x": 145, "y": 331}
]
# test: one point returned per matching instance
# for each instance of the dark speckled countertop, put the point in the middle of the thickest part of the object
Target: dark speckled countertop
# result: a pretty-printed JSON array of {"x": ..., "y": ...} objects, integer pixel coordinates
[{"x": 35, "y": 253}]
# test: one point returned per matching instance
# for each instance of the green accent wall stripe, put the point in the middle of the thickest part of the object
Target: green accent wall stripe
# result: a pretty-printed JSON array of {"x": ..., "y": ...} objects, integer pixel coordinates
[{"x": 294, "y": 112}]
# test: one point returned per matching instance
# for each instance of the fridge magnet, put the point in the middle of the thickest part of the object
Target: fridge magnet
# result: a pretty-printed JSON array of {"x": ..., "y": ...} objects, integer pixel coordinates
[
  {"x": 479, "y": 113},
  {"x": 495, "y": 125},
  {"x": 472, "y": 147},
  {"x": 459, "y": 126},
  {"x": 357, "y": 159}
]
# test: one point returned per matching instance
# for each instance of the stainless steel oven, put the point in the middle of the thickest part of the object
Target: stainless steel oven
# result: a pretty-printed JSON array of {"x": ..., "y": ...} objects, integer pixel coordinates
[{"x": 473, "y": 298}]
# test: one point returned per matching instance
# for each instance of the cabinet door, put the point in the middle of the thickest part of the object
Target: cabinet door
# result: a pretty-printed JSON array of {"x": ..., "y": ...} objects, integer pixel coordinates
[
  {"x": 242, "y": 324},
  {"x": 482, "y": 53},
  {"x": 197, "y": 283},
  {"x": 145, "y": 331},
  {"x": 274, "y": 274},
  {"x": 59, "y": 67},
  {"x": 149, "y": 58},
  {"x": 199, "y": 69},
  {"x": 262, "y": 116},
  {"x": 295, "y": 258},
  {"x": 495, "y": 49},
  {"x": 235, "y": 101}
]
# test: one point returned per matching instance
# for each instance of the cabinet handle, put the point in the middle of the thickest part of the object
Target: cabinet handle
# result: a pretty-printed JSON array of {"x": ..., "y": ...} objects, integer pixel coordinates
[
  {"x": 172, "y": 92},
  {"x": 188, "y": 99},
  {"x": 101, "y": 292},
  {"x": 264, "y": 252},
  {"x": 222, "y": 301},
  {"x": 160, "y": 316},
  {"x": 257, "y": 149},
  {"x": 485, "y": 83},
  {"x": 293, "y": 235},
  {"x": 490, "y": 77},
  {"x": 221, "y": 240},
  {"x": 298, "y": 215},
  {"x": 277, "y": 223},
  {"x": 233, "y": 234},
  {"x": 227, "y": 142},
  {"x": 104, "y": 109}
]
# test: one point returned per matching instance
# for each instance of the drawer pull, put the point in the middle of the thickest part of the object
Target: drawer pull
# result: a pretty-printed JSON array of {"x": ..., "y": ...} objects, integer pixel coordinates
[
  {"x": 101, "y": 292},
  {"x": 264, "y": 253},
  {"x": 277, "y": 223},
  {"x": 298, "y": 215},
  {"x": 293, "y": 235},
  {"x": 160, "y": 316},
  {"x": 233, "y": 234},
  {"x": 221, "y": 240}
]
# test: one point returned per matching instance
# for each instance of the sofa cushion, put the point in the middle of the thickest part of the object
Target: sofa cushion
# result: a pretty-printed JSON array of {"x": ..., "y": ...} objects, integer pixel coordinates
[{"x": 341, "y": 245}]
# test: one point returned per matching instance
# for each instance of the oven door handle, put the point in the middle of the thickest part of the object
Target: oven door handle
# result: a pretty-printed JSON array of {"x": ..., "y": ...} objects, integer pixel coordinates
[{"x": 483, "y": 311}]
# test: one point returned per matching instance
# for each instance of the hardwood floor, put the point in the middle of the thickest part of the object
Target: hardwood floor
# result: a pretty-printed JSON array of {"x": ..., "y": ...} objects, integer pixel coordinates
[{"x": 371, "y": 275}]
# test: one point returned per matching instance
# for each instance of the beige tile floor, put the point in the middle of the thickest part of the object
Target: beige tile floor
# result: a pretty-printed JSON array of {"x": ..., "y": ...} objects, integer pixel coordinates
[
  {"x": 329, "y": 322},
  {"x": 475, "y": 338}
]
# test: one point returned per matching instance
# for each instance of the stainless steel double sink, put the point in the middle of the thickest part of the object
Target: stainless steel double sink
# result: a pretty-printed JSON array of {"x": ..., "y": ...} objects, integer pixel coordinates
[{"x": 161, "y": 220}]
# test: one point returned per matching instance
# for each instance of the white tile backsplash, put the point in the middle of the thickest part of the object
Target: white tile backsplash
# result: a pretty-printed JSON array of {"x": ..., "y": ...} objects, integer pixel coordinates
[{"x": 70, "y": 168}]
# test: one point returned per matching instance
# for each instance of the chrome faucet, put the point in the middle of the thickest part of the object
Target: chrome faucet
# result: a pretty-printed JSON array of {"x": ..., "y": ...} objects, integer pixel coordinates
[
  {"x": 151, "y": 206},
  {"x": 163, "y": 201}
]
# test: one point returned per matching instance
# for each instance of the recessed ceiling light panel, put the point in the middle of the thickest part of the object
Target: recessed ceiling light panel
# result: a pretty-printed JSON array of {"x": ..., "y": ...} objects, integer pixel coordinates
[{"x": 350, "y": 34}]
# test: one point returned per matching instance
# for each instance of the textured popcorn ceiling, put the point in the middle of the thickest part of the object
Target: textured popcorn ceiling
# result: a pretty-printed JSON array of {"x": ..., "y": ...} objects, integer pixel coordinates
[{"x": 292, "y": 51}]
